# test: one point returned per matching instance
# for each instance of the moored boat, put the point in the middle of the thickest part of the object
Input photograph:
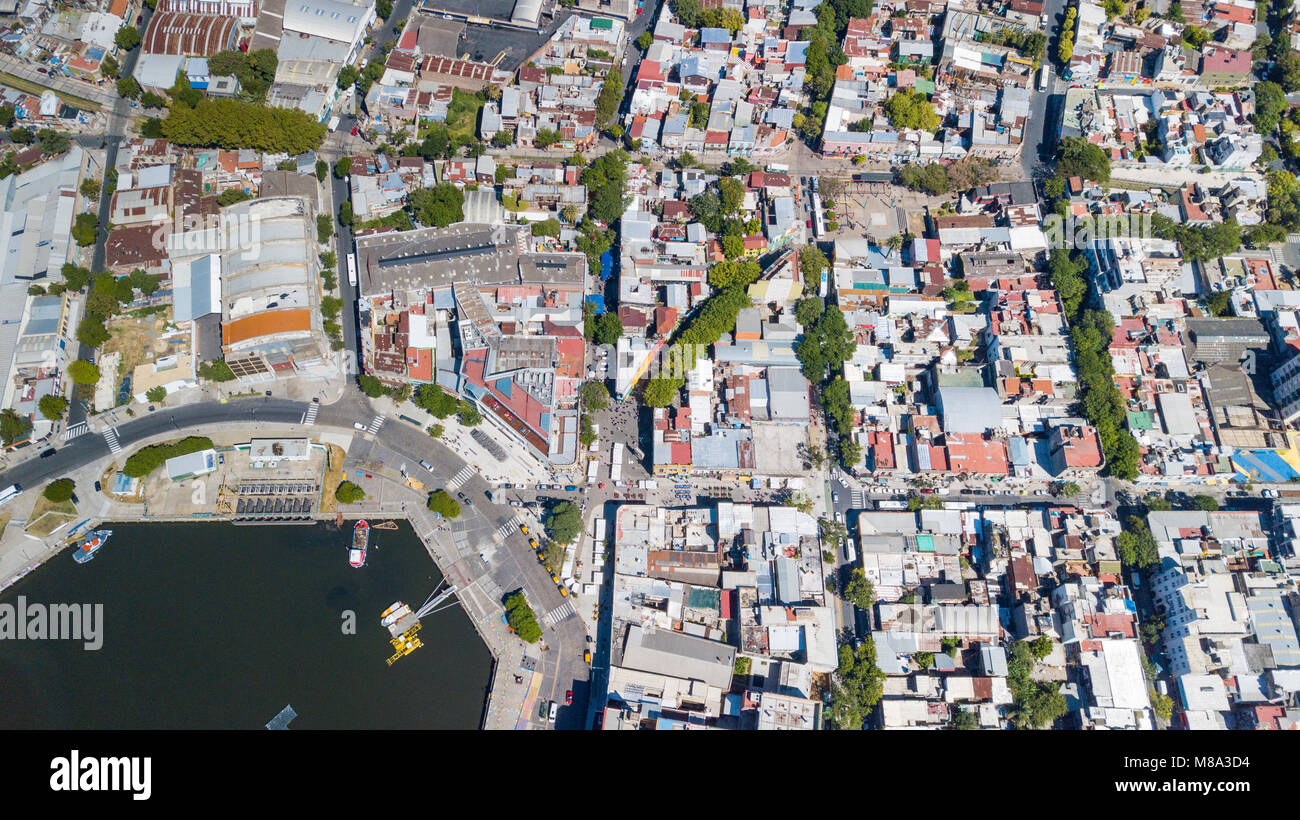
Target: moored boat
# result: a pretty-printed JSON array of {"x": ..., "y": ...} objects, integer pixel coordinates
[
  {"x": 85, "y": 548},
  {"x": 360, "y": 540}
]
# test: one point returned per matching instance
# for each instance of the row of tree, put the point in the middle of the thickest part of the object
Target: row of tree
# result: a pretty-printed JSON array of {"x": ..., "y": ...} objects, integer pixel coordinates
[{"x": 1090, "y": 336}]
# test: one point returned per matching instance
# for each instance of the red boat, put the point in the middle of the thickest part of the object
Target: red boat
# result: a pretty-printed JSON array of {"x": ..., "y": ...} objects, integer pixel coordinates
[{"x": 360, "y": 538}]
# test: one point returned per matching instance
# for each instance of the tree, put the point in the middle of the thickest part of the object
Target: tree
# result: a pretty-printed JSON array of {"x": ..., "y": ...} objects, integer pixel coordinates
[
  {"x": 467, "y": 414},
  {"x": 961, "y": 718},
  {"x": 349, "y": 493},
  {"x": 520, "y": 617},
  {"x": 857, "y": 686},
  {"x": 342, "y": 167},
  {"x": 1270, "y": 105},
  {"x": 1205, "y": 502},
  {"x": 443, "y": 504},
  {"x": 53, "y": 407},
  {"x": 609, "y": 328},
  {"x": 371, "y": 386},
  {"x": 83, "y": 372},
  {"x": 908, "y": 109},
  {"x": 1286, "y": 71},
  {"x": 384, "y": 8},
  {"x": 22, "y": 136},
  {"x": 1078, "y": 157},
  {"x": 609, "y": 98},
  {"x": 156, "y": 394},
  {"x": 439, "y": 206},
  {"x": 230, "y": 124},
  {"x": 595, "y": 396},
  {"x": 127, "y": 38},
  {"x": 1136, "y": 546},
  {"x": 13, "y": 426},
  {"x": 324, "y": 228},
  {"x": 1041, "y": 646},
  {"x": 60, "y": 490},
  {"x": 436, "y": 430},
  {"x": 563, "y": 522},
  {"x": 435, "y": 401},
  {"x": 546, "y": 137},
  {"x": 90, "y": 188},
  {"x": 85, "y": 228},
  {"x": 644, "y": 41},
  {"x": 859, "y": 591}
]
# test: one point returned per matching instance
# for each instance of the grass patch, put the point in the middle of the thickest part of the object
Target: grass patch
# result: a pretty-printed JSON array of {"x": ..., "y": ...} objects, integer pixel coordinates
[
  {"x": 38, "y": 89},
  {"x": 462, "y": 115},
  {"x": 334, "y": 475},
  {"x": 48, "y": 516}
]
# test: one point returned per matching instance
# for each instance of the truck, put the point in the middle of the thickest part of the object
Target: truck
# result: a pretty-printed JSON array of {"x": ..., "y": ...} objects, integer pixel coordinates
[{"x": 891, "y": 505}]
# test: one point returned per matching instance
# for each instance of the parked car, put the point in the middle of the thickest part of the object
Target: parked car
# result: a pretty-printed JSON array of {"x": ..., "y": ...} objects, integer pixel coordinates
[
  {"x": 555, "y": 710},
  {"x": 98, "y": 487},
  {"x": 48, "y": 453}
]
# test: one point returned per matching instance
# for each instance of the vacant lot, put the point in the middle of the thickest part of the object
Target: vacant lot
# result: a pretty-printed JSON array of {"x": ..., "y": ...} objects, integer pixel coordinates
[{"x": 136, "y": 336}]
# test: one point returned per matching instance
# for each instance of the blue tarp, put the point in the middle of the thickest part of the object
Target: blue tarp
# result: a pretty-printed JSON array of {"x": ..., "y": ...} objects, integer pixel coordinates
[
  {"x": 606, "y": 265},
  {"x": 597, "y": 301}
]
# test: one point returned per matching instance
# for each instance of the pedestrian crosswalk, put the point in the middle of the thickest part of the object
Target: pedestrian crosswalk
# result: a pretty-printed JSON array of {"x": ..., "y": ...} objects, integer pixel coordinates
[
  {"x": 110, "y": 436},
  {"x": 461, "y": 477},
  {"x": 375, "y": 424},
  {"x": 507, "y": 528},
  {"x": 310, "y": 418},
  {"x": 78, "y": 429},
  {"x": 558, "y": 614},
  {"x": 859, "y": 498}
]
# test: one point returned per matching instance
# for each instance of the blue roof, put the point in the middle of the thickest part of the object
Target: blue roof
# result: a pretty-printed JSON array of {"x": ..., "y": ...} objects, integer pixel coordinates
[{"x": 715, "y": 35}]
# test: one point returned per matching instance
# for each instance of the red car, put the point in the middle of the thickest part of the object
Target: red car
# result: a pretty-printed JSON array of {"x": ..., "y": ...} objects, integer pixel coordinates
[
  {"x": 568, "y": 698},
  {"x": 354, "y": 130}
]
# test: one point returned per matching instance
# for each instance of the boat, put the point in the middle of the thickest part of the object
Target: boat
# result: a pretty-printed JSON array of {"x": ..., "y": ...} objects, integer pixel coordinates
[
  {"x": 392, "y": 616},
  {"x": 360, "y": 538},
  {"x": 85, "y": 547}
]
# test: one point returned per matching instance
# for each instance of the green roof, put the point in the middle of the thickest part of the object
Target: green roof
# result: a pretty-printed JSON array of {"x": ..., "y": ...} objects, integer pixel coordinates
[
  {"x": 1140, "y": 420},
  {"x": 925, "y": 543},
  {"x": 602, "y": 22}
]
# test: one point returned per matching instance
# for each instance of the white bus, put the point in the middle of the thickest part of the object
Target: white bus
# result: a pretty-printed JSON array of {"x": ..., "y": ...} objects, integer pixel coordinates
[
  {"x": 1043, "y": 78},
  {"x": 352, "y": 269},
  {"x": 10, "y": 493}
]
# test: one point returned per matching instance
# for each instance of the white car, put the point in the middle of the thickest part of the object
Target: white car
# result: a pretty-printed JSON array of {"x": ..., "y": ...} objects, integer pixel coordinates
[
  {"x": 1040, "y": 492},
  {"x": 943, "y": 491},
  {"x": 358, "y": 425}
]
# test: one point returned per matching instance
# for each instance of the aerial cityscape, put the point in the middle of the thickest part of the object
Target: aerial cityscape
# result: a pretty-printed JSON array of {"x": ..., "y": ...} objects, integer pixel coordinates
[{"x": 650, "y": 364}]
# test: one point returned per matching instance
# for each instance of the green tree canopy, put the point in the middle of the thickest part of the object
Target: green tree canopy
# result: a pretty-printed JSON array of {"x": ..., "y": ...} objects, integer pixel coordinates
[
  {"x": 59, "y": 490},
  {"x": 439, "y": 206},
  {"x": 563, "y": 522},
  {"x": 443, "y": 504},
  {"x": 349, "y": 493}
]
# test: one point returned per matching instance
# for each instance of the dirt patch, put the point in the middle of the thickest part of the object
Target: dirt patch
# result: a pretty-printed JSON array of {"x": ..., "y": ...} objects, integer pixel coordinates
[{"x": 135, "y": 335}]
